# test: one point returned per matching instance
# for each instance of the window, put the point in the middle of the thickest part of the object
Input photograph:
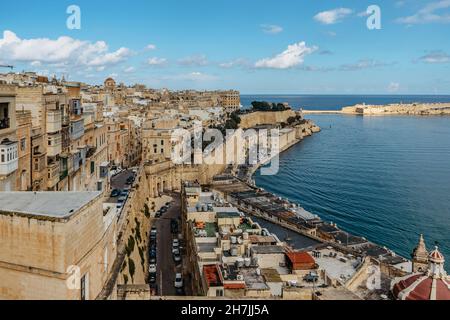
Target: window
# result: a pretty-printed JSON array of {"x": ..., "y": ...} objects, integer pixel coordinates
[{"x": 23, "y": 144}]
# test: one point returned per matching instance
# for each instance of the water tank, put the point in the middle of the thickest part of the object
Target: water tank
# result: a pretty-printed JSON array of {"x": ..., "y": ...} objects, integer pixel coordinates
[
  {"x": 258, "y": 271},
  {"x": 240, "y": 263},
  {"x": 245, "y": 235},
  {"x": 240, "y": 241},
  {"x": 247, "y": 262},
  {"x": 255, "y": 261},
  {"x": 233, "y": 240},
  {"x": 234, "y": 252}
]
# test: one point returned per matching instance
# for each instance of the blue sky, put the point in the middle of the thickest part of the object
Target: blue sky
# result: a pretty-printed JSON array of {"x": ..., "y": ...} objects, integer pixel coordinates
[{"x": 255, "y": 46}]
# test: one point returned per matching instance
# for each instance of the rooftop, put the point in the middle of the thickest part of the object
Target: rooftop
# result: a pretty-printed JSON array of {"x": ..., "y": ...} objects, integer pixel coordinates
[
  {"x": 45, "y": 204},
  {"x": 267, "y": 249}
]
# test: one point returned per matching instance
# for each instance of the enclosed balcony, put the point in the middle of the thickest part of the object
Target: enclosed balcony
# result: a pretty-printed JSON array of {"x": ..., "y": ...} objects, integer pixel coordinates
[
  {"x": 76, "y": 129},
  {"x": 54, "y": 144},
  {"x": 8, "y": 157},
  {"x": 54, "y": 121},
  {"x": 53, "y": 175}
]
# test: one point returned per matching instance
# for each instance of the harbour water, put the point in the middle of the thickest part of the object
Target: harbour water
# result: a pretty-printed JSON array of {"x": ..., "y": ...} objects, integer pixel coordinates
[
  {"x": 337, "y": 102},
  {"x": 383, "y": 178}
]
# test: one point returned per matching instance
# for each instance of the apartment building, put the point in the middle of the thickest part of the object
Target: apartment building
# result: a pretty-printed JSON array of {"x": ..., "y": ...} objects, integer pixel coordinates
[
  {"x": 157, "y": 138},
  {"x": 230, "y": 101},
  {"x": 9, "y": 153}
]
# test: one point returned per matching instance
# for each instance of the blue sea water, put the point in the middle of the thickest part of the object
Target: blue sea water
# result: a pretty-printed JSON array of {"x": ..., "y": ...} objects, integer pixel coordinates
[
  {"x": 337, "y": 102},
  {"x": 385, "y": 178}
]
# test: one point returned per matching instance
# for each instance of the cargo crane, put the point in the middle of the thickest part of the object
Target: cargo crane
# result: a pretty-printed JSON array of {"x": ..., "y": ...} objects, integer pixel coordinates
[{"x": 4, "y": 66}]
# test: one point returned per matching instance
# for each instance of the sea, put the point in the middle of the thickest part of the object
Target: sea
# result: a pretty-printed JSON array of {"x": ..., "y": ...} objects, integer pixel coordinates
[{"x": 386, "y": 178}]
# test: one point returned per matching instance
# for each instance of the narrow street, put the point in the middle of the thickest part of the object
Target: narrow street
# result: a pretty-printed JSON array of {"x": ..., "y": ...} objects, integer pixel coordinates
[{"x": 166, "y": 266}]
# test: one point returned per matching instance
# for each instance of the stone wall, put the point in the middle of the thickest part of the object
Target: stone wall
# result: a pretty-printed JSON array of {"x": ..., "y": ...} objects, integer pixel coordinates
[
  {"x": 134, "y": 234},
  {"x": 254, "y": 119}
]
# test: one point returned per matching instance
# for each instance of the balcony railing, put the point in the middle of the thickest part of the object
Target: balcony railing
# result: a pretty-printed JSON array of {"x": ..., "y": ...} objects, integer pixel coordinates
[{"x": 4, "y": 123}]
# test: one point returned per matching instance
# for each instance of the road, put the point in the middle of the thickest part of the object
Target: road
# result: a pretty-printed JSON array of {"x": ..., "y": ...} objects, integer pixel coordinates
[
  {"x": 166, "y": 267},
  {"x": 119, "y": 182}
]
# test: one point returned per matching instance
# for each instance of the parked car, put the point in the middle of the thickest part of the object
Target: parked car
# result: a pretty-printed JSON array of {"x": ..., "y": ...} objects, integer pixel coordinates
[
  {"x": 176, "y": 255},
  {"x": 174, "y": 226},
  {"x": 122, "y": 199},
  {"x": 130, "y": 180},
  {"x": 175, "y": 244},
  {"x": 180, "y": 292},
  {"x": 178, "y": 281},
  {"x": 152, "y": 268},
  {"x": 115, "y": 193},
  {"x": 158, "y": 214},
  {"x": 153, "y": 234}
]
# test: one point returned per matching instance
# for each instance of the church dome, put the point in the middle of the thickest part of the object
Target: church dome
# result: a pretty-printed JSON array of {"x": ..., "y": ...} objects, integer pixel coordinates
[
  {"x": 431, "y": 285},
  {"x": 436, "y": 256}
]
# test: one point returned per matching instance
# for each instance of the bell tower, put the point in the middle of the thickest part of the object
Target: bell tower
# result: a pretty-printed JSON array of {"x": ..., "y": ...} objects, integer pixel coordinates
[{"x": 419, "y": 256}]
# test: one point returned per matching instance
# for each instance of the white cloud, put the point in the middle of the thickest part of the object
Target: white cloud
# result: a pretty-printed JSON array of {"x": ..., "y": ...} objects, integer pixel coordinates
[
  {"x": 156, "y": 61},
  {"x": 429, "y": 14},
  {"x": 365, "y": 64},
  {"x": 435, "y": 57},
  {"x": 35, "y": 63},
  {"x": 294, "y": 55},
  {"x": 129, "y": 70},
  {"x": 193, "y": 76},
  {"x": 393, "y": 87},
  {"x": 150, "y": 47},
  {"x": 332, "y": 16},
  {"x": 271, "y": 28},
  {"x": 64, "y": 50},
  {"x": 240, "y": 62},
  {"x": 196, "y": 60}
]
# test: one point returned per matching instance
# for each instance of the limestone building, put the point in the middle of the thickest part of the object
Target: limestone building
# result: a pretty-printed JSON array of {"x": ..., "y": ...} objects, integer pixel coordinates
[
  {"x": 55, "y": 245},
  {"x": 9, "y": 157}
]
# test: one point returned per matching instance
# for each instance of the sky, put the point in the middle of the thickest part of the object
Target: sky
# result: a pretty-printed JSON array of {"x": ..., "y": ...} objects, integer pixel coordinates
[{"x": 255, "y": 46}]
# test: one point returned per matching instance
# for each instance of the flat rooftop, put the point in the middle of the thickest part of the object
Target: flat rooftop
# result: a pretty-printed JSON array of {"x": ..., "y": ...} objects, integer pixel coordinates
[{"x": 45, "y": 204}]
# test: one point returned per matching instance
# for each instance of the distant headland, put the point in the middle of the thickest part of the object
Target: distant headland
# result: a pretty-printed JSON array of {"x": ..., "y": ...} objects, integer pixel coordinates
[{"x": 417, "y": 109}]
